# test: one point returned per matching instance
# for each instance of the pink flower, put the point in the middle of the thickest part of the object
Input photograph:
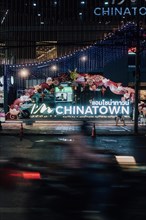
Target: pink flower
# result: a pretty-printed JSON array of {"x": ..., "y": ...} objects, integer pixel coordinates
[{"x": 56, "y": 82}]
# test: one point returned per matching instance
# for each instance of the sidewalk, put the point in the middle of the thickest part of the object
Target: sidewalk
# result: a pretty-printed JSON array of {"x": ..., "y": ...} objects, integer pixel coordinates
[{"x": 60, "y": 127}]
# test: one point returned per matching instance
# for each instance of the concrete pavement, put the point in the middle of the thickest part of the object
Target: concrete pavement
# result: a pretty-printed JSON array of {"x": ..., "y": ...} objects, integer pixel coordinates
[{"x": 63, "y": 127}]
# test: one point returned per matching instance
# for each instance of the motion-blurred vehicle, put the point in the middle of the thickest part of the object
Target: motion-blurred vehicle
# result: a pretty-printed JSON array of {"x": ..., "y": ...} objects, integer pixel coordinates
[
  {"x": 43, "y": 165},
  {"x": 65, "y": 194}
]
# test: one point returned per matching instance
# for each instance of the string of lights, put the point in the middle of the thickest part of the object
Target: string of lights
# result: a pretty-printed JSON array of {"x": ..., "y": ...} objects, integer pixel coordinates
[{"x": 91, "y": 58}]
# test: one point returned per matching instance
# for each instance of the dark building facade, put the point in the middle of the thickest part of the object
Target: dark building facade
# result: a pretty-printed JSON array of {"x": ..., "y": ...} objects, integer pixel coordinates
[
  {"x": 66, "y": 24},
  {"x": 39, "y": 35}
]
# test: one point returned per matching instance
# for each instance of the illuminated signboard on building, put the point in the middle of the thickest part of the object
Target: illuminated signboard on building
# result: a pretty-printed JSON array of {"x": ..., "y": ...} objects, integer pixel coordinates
[
  {"x": 96, "y": 109},
  {"x": 119, "y": 10}
]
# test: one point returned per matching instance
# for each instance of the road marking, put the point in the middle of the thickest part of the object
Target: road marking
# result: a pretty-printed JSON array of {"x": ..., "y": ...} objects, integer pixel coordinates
[
  {"x": 109, "y": 140},
  {"x": 126, "y": 129},
  {"x": 123, "y": 129},
  {"x": 116, "y": 130}
]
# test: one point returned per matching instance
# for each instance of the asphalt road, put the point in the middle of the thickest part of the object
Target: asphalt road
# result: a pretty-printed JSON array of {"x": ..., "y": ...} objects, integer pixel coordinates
[
  {"x": 21, "y": 204},
  {"x": 38, "y": 147}
]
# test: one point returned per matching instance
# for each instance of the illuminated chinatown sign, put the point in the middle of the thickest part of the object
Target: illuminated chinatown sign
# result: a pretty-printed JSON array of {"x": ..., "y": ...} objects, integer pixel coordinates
[
  {"x": 97, "y": 108},
  {"x": 123, "y": 11}
]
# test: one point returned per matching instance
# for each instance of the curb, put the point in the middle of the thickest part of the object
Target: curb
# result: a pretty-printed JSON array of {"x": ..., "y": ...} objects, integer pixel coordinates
[{"x": 52, "y": 133}]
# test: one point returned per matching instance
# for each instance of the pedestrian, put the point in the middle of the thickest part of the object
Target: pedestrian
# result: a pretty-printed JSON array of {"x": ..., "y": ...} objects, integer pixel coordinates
[
  {"x": 142, "y": 118},
  {"x": 120, "y": 117}
]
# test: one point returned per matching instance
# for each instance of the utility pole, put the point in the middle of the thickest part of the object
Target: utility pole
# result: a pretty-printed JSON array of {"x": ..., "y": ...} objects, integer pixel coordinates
[
  {"x": 5, "y": 81},
  {"x": 137, "y": 73},
  {"x": 5, "y": 88}
]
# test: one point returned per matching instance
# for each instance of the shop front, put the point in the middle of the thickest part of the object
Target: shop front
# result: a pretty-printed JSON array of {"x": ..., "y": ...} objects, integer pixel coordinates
[{"x": 79, "y": 97}]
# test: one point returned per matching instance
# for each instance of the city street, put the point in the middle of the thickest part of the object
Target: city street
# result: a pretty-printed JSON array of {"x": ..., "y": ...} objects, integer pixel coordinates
[
  {"x": 32, "y": 145},
  {"x": 19, "y": 203},
  {"x": 72, "y": 110},
  {"x": 103, "y": 126}
]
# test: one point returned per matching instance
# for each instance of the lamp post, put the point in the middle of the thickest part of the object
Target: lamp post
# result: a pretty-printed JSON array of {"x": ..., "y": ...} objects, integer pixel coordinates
[
  {"x": 5, "y": 70},
  {"x": 5, "y": 88},
  {"x": 9, "y": 59},
  {"x": 137, "y": 74}
]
